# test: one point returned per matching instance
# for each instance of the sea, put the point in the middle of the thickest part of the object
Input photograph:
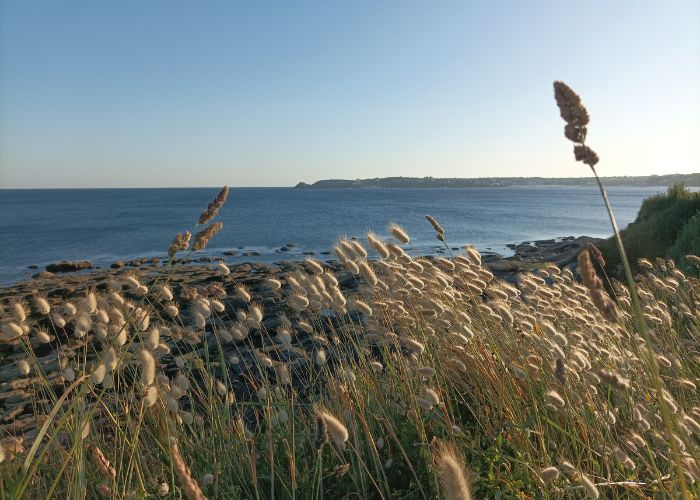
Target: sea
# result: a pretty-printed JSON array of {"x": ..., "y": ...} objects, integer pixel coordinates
[{"x": 39, "y": 227}]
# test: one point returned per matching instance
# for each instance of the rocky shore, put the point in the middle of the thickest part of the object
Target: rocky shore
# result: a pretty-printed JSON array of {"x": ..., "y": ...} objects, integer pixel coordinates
[{"x": 17, "y": 413}]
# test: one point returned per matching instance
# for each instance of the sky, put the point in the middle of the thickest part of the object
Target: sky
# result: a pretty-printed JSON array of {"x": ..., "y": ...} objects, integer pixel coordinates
[{"x": 182, "y": 93}]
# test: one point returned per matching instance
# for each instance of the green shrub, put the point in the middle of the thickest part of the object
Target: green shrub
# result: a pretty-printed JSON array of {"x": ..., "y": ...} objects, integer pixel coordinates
[
  {"x": 687, "y": 242},
  {"x": 667, "y": 226}
]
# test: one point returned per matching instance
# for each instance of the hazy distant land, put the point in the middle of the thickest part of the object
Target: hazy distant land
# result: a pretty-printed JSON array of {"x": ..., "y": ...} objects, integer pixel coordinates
[{"x": 690, "y": 180}]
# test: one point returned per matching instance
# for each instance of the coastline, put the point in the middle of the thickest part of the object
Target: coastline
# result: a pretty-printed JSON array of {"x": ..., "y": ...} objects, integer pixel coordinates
[{"x": 63, "y": 279}]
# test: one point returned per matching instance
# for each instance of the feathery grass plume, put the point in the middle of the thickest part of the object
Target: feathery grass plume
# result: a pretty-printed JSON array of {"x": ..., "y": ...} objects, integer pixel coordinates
[
  {"x": 41, "y": 304},
  {"x": 164, "y": 293},
  {"x": 570, "y": 105},
  {"x": 684, "y": 383},
  {"x": 314, "y": 266},
  {"x": 337, "y": 432},
  {"x": 214, "y": 207},
  {"x": 413, "y": 345},
  {"x": 359, "y": 249},
  {"x": 451, "y": 471},
  {"x": 576, "y": 117},
  {"x": 368, "y": 273},
  {"x": 473, "y": 255},
  {"x": 362, "y": 307},
  {"x": 305, "y": 327},
  {"x": 439, "y": 231},
  {"x": 201, "y": 239},
  {"x": 554, "y": 398},
  {"x": 181, "y": 242},
  {"x": 69, "y": 309},
  {"x": 352, "y": 266},
  {"x": 595, "y": 286},
  {"x": 347, "y": 247},
  {"x": 222, "y": 269},
  {"x": 42, "y": 336},
  {"x": 148, "y": 367},
  {"x": 378, "y": 245},
  {"x": 192, "y": 490},
  {"x": 23, "y": 367},
  {"x": 340, "y": 253},
  {"x": 274, "y": 284},
  {"x": 589, "y": 487},
  {"x": 107, "y": 469},
  {"x": 694, "y": 259},
  {"x": 399, "y": 233},
  {"x": 12, "y": 330},
  {"x": 549, "y": 474},
  {"x": 18, "y": 310},
  {"x": 321, "y": 433},
  {"x": 243, "y": 293},
  {"x": 597, "y": 254},
  {"x": 426, "y": 371},
  {"x": 586, "y": 155},
  {"x": 217, "y": 306}
]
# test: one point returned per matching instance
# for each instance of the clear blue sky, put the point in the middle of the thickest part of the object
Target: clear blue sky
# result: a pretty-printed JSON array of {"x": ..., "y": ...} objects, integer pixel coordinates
[{"x": 185, "y": 93}]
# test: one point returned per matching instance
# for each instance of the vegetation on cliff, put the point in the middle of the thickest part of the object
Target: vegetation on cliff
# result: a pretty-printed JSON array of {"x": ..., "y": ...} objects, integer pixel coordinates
[{"x": 668, "y": 225}]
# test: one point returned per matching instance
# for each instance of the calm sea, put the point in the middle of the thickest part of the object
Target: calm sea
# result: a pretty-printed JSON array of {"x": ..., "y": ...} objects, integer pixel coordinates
[{"x": 38, "y": 227}]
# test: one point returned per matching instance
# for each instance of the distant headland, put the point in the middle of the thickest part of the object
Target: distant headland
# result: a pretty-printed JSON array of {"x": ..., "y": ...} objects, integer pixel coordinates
[{"x": 690, "y": 180}]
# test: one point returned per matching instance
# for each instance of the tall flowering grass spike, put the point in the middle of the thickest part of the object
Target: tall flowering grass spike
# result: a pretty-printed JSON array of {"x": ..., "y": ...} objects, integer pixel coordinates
[
  {"x": 192, "y": 490},
  {"x": 576, "y": 117},
  {"x": 439, "y": 231},
  {"x": 214, "y": 207},
  {"x": 181, "y": 242},
  {"x": 201, "y": 239}
]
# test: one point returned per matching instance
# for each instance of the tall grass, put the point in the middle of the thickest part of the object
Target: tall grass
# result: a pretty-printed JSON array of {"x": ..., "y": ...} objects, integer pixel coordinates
[{"x": 427, "y": 378}]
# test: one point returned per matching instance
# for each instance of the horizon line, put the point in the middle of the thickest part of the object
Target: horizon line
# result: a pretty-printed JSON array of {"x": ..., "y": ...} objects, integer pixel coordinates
[{"x": 218, "y": 186}]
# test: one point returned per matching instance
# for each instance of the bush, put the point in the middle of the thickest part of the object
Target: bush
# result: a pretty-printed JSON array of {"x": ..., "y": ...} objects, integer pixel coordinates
[{"x": 666, "y": 226}]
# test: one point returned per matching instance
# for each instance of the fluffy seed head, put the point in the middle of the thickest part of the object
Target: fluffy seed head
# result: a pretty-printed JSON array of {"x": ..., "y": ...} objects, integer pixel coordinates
[
  {"x": 337, "y": 432},
  {"x": 554, "y": 398},
  {"x": 313, "y": 266},
  {"x": 473, "y": 255},
  {"x": 589, "y": 487},
  {"x": 549, "y": 474},
  {"x": 222, "y": 269},
  {"x": 451, "y": 472},
  {"x": 243, "y": 293},
  {"x": 11, "y": 330},
  {"x": 399, "y": 233},
  {"x": 148, "y": 367},
  {"x": 23, "y": 366},
  {"x": 18, "y": 310},
  {"x": 42, "y": 305},
  {"x": 378, "y": 245}
]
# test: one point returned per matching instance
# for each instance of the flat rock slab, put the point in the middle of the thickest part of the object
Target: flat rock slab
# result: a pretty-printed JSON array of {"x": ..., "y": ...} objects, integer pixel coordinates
[{"x": 68, "y": 266}]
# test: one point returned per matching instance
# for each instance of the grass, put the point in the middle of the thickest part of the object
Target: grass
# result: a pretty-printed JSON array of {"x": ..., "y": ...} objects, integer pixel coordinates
[{"x": 431, "y": 378}]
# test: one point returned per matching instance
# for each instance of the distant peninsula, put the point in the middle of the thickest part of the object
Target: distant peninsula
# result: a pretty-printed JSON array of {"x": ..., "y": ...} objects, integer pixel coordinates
[{"x": 689, "y": 180}]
